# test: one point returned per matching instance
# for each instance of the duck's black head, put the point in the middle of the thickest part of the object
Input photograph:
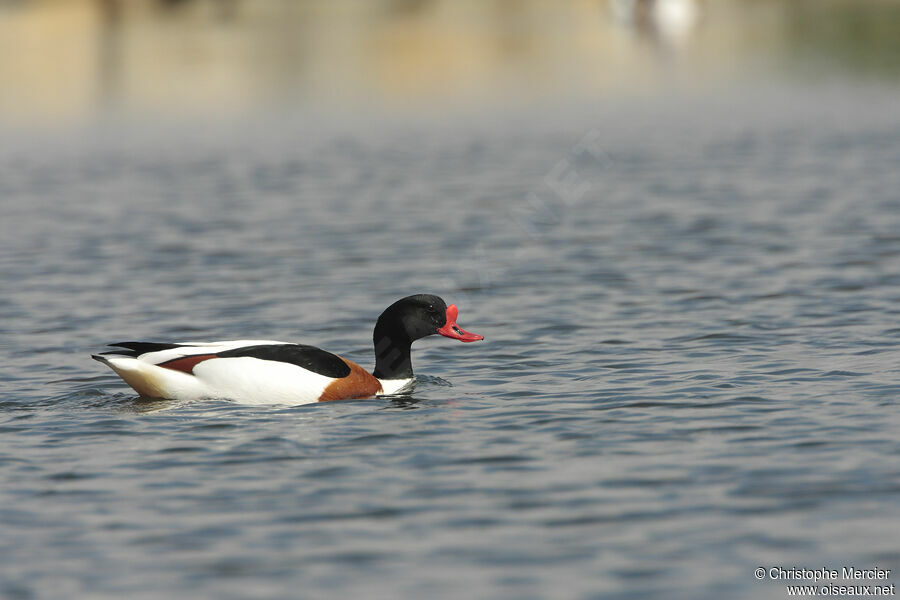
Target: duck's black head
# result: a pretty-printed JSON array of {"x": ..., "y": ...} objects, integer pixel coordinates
[{"x": 406, "y": 321}]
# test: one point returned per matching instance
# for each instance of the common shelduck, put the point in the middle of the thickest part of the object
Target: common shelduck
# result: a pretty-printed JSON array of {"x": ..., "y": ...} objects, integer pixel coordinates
[{"x": 270, "y": 372}]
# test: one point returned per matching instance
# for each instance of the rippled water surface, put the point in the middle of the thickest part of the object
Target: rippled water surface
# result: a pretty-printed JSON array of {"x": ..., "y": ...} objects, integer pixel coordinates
[{"x": 690, "y": 369}]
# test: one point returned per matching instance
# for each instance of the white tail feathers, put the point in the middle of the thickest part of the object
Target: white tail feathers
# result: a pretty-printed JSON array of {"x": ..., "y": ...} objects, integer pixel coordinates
[{"x": 147, "y": 380}]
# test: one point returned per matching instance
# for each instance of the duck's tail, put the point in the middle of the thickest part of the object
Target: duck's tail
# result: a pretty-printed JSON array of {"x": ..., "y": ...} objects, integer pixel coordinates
[{"x": 146, "y": 379}]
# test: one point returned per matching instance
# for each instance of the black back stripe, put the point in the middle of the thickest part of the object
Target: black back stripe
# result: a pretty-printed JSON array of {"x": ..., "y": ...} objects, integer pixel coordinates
[
  {"x": 135, "y": 349},
  {"x": 307, "y": 357}
]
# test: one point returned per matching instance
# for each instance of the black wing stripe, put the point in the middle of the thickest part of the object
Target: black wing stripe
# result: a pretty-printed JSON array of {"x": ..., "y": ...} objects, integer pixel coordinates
[
  {"x": 307, "y": 357},
  {"x": 135, "y": 349}
]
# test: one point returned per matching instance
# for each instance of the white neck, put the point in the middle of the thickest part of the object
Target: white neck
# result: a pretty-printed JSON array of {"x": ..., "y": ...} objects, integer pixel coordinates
[{"x": 390, "y": 387}]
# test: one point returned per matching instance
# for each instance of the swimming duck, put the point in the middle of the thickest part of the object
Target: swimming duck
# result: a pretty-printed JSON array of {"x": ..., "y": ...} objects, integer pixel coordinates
[{"x": 271, "y": 372}]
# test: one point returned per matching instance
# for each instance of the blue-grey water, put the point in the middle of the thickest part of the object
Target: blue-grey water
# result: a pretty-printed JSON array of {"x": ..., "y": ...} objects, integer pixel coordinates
[{"x": 691, "y": 366}]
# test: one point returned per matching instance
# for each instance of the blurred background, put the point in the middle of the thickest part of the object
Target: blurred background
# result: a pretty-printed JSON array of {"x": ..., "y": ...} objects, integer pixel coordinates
[
  {"x": 67, "y": 61},
  {"x": 676, "y": 223}
]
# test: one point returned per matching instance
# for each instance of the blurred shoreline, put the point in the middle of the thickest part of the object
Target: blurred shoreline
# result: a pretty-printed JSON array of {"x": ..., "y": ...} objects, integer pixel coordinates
[{"x": 71, "y": 61}]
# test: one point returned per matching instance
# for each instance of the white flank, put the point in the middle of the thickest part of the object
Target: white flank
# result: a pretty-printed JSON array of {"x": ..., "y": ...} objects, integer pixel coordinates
[{"x": 254, "y": 381}]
